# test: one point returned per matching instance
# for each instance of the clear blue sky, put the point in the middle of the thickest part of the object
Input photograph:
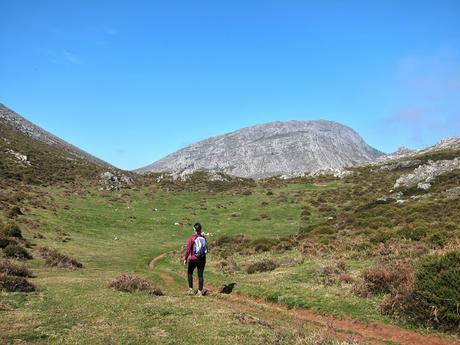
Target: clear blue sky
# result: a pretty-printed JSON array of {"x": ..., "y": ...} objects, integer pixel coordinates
[{"x": 131, "y": 81}]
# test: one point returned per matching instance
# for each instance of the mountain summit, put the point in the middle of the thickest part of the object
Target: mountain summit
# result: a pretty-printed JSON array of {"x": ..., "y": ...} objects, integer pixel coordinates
[{"x": 271, "y": 149}]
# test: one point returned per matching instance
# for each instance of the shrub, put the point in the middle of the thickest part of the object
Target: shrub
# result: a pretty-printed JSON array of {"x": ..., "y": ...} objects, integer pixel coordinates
[
  {"x": 436, "y": 296},
  {"x": 12, "y": 269},
  {"x": 385, "y": 278},
  {"x": 4, "y": 241},
  {"x": 380, "y": 237},
  {"x": 438, "y": 240},
  {"x": 229, "y": 266},
  {"x": 263, "y": 244},
  {"x": 12, "y": 230},
  {"x": 14, "y": 212},
  {"x": 262, "y": 266},
  {"x": 15, "y": 284},
  {"x": 414, "y": 234},
  {"x": 54, "y": 258},
  {"x": 329, "y": 273},
  {"x": 13, "y": 250},
  {"x": 132, "y": 283}
]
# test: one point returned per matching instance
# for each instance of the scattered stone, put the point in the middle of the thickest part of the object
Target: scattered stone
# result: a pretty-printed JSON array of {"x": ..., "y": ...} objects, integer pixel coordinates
[
  {"x": 22, "y": 159},
  {"x": 424, "y": 186},
  {"x": 111, "y": 182},
  {"x": 421, "y": 197}
]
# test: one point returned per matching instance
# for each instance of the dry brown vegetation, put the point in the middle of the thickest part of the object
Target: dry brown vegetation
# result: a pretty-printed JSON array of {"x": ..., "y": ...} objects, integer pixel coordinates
[
  {"x": 132, "y": 283},
  {"x": 54, "y": 258},
  {"x": 12, "y": 269},
  {"x": 15, "y": 284}
]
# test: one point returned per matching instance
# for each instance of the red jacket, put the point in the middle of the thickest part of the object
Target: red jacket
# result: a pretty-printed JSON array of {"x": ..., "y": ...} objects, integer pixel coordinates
[{"x": 189, "y": 253}]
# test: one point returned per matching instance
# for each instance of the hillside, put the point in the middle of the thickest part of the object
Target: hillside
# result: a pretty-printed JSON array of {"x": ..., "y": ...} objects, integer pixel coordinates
[
  {"x": 31, "y": 154},
  {"x": 276, "y": 148}
]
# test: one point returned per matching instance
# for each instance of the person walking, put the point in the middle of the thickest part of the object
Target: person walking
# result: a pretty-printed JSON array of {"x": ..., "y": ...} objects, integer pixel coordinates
[{"x": 195, "y": 256}]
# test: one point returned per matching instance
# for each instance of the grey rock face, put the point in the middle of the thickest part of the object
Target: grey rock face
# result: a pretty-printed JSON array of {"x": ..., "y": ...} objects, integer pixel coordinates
[
  {"x": 422, "y": 175},
  {"x": 277, "y": 148},
  {"x": 16, "y": 121}
]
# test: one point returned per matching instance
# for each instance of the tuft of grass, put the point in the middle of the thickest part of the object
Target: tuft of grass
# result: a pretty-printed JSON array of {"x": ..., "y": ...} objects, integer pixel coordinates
[
  {"x": 11, "y": 269},
  {"x": 133, "y": 283},
  {"x": 54, "y": 258},
  {"x": 15, "y": 284},
  {"x": 262, "y": 266},
  {"x": 14, "y": 250}
]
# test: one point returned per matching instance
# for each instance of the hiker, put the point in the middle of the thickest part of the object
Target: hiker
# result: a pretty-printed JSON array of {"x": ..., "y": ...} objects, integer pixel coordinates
[{"x": 195, "y": 255}]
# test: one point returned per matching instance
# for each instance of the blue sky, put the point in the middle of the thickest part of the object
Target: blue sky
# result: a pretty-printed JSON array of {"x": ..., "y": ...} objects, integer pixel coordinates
[{"x": 132, "y": 81}]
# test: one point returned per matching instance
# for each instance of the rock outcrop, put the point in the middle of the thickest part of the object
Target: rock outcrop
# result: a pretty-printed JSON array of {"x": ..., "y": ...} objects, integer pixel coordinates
[{"x": 422, "y": 175}]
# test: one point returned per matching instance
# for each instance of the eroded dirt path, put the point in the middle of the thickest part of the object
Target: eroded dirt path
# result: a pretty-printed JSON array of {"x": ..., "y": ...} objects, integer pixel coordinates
[
  {"x": 164, "y": 276},
  {"x": 371, "y": 333}
]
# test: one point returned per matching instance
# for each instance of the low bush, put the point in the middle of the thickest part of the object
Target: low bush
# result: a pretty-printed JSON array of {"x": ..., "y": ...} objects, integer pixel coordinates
[
  {"x": 411, "y": 233},
  {"x": 11, "y": 269},
  {"x": 262, "y": 266},
  {"x": 385, "y": 278},
  {"x": 5, "y": 241},
  {"x": 54, "y": 258},
  {"x": 14, "y": 212},
  {"x": 436, "y": 295},
  {"x": 329, "y": 273},
  {"x": 263, "y": 244},
  {"x": 15, "y": 284},
  {"x": 14, "y": 250},
  {"x": 12, "y": 230},
  {"x": 229, "y": 266},
  {"x": 132, "y": 283}
]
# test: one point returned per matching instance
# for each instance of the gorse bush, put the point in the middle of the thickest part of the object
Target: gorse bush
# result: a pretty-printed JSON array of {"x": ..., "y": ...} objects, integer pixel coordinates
[{"x": 436, "y": 296}]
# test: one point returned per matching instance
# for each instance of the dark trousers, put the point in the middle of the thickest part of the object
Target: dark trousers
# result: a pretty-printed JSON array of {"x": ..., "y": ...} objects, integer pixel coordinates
[{"x": 199, "y": 264}]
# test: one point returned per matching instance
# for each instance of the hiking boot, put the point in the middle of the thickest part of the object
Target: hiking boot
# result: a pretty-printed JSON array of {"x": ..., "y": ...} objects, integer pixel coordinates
[
  {"x": 190, "y": 291},
  {"x": 200, "y": 293}
]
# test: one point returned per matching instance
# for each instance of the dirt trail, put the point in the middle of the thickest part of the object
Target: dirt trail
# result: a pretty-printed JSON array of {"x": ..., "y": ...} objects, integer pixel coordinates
[
  {"x": 374, "y": 331},
  {"x": 164, "y": 276}
]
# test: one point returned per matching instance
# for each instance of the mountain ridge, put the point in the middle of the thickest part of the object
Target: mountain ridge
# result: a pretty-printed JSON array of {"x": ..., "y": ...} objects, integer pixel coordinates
[
  {"x": 10, "y": 118},
  {"x": 270, "y": 149}
]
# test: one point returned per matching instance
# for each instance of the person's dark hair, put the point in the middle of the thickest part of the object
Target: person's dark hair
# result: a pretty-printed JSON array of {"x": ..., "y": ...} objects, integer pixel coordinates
[{"x": 197, "y": 227}]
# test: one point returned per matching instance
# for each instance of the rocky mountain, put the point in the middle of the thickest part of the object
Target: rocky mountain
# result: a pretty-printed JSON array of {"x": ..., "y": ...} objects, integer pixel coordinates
[
  {"x": 276, "y": 148},
  {"x": 12, "y": 119}
]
